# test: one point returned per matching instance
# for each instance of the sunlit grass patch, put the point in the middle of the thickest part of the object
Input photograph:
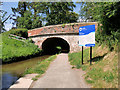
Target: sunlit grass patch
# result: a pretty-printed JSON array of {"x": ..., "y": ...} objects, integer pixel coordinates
[
  {"x": 75, "y": 58},
  {"x": 40, "y": 67},
  {"x": 15, "y": 50},
  {"x": 103, "y": 73}
]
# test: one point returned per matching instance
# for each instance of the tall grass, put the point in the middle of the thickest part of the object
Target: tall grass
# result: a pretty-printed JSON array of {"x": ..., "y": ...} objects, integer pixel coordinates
[{"x": 103, "y": 73}]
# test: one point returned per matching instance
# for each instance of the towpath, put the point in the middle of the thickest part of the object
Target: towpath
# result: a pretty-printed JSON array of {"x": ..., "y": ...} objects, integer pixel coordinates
[{"x": 61, "y": 75}]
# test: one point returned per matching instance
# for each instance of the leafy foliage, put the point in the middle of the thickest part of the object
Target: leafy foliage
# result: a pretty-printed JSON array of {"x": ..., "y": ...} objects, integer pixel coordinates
[
  {"x": 14, "y": 50},
  {"x": 31, "y": 14},
  {"x": 106, "y": 13},
  {"x": 22, "y": 7},
  {"x": 110, "y": 40},
  {"x": 20, "y": 32},
  {"x": 108, "y": 16},
  {"x": 26, "y": 21},
  {"x": 60, "y": 12}
]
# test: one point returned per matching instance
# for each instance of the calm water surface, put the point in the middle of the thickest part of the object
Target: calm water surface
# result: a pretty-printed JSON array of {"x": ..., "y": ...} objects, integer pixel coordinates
[{"x": 12, "y": 72}]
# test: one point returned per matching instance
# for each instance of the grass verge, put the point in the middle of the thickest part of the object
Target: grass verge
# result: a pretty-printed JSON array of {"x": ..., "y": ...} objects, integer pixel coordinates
[
  {"x": 40, "y": 67},
  {"x": 15, "y": 50},
  {"x": 103, "y": 73}
]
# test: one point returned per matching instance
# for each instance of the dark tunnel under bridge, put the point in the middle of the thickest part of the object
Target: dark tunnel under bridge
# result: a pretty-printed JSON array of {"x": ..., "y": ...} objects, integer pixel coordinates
[{"x": 55, "y": 45}]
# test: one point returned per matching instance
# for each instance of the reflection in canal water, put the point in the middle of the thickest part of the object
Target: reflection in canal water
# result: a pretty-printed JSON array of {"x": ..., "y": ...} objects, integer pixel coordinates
[
  {"x": 8, "y": 79},
  {"x": 12, "y": 72}
]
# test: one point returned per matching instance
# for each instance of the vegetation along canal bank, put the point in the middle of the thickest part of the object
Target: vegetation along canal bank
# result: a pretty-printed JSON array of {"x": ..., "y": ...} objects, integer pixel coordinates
[
  {"x": 19, "y": 56},
  {"x": 15, "y": 49},
  {"x": 103, "y": 73},
  {"x": 13, "y": 71}
]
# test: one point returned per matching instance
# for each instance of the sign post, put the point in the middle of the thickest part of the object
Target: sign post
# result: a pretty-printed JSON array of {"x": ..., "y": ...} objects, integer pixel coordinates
[
  {"x": 90, "y": 55},
  {"x": 82, "y": 54},
  {"x": 87, "y": 38}
]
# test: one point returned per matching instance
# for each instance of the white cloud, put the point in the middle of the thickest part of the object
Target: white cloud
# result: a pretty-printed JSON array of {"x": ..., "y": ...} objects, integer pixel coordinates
[{"x": 8, "y": 26}]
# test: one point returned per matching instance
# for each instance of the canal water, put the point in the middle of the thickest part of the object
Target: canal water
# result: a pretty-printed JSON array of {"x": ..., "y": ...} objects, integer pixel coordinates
[{"x": 12, "y": 72}]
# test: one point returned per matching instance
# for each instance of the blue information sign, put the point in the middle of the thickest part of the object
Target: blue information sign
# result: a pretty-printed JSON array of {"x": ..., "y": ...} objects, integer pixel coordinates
[{"x": 87, "y": 36}]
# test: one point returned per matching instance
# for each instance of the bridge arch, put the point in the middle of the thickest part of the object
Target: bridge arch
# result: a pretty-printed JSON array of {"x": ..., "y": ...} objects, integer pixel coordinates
[
  {"x": 53, "y": 45},
  {"x": 68, "y": 33}
]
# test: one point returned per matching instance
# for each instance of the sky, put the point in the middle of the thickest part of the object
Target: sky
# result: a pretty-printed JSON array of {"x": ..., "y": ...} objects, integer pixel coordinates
[{"x": 7, "y": 7}]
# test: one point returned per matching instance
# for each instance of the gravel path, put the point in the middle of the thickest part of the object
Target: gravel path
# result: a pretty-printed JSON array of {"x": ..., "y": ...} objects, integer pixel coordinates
[{"x": 61, "y": 75}]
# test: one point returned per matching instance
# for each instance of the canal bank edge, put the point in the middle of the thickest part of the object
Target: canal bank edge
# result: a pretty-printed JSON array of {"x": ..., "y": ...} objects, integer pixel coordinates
[{"x": 24, "y": 82}]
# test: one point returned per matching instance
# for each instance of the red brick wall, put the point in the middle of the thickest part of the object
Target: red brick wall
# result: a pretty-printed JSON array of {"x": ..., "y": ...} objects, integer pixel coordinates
[{"x": 54, "y": 29}]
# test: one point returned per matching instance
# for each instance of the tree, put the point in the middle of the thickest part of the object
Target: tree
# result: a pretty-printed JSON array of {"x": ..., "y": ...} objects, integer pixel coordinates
[
  {"x": 26, "y": 21},
  {"x": 29, "y": 16},
  {"x": 21, "y": 9},
  {"x": 31, "y": 13},
  {"x": 19, "y": 12},
  {"x": 60, "y": 12},
  {"x": 3, "y": 20},
  {"x": 106, "y": 13}
]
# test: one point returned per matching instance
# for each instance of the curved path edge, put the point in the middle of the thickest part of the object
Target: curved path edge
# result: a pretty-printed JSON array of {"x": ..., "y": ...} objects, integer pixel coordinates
[{"x": 61, "y": 75}]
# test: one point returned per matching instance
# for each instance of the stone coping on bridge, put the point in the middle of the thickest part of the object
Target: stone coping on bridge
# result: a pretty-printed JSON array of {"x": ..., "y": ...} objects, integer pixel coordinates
[
  {"x": 54, "y": 34},
  {"x": 63, "y": 24},
  {"x": 59, "y": 29}
]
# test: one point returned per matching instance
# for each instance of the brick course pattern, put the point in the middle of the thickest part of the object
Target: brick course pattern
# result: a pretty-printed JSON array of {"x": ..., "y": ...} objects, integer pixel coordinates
[
  {"x": 68, "y": 32},
  {"x": 62, "y": 28}
]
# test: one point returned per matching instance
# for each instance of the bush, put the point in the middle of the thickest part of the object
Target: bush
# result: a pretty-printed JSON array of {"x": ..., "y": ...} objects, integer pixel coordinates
[
  {"x": 110, "y": 40},
  {"x": 22, "y": 32}
]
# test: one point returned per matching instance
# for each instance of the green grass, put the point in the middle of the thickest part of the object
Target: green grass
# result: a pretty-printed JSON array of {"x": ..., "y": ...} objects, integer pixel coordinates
[
  {"x": 75, "y": 58},
  {"x": 40, "y": 67},
  {"x": 103, "y": 73},
  {"x": 14, "y": 50}
]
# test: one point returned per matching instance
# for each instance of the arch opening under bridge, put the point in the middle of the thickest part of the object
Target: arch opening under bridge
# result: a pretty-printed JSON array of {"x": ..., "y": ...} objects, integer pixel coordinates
[
  {"x": 68, "y": 33},
  {"x": 55, "y": 45}
]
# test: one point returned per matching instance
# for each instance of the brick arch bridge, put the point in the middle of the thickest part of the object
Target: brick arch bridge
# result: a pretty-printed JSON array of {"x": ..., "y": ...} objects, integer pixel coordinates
[{"x": 66, "y": 35}]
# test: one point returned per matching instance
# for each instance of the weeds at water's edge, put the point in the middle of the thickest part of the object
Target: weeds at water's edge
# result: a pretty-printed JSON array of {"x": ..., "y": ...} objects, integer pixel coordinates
[{"x": 40, "y": 67}]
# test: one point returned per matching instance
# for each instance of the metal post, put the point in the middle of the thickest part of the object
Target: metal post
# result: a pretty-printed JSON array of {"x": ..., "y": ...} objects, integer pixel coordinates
[
  {"x": 82, "y": 54},
  {"x": 90, "y": 55}
]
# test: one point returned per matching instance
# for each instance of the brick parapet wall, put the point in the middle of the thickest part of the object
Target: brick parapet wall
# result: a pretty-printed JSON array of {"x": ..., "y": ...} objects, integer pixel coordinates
[{"x": 62, "y": 28}]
